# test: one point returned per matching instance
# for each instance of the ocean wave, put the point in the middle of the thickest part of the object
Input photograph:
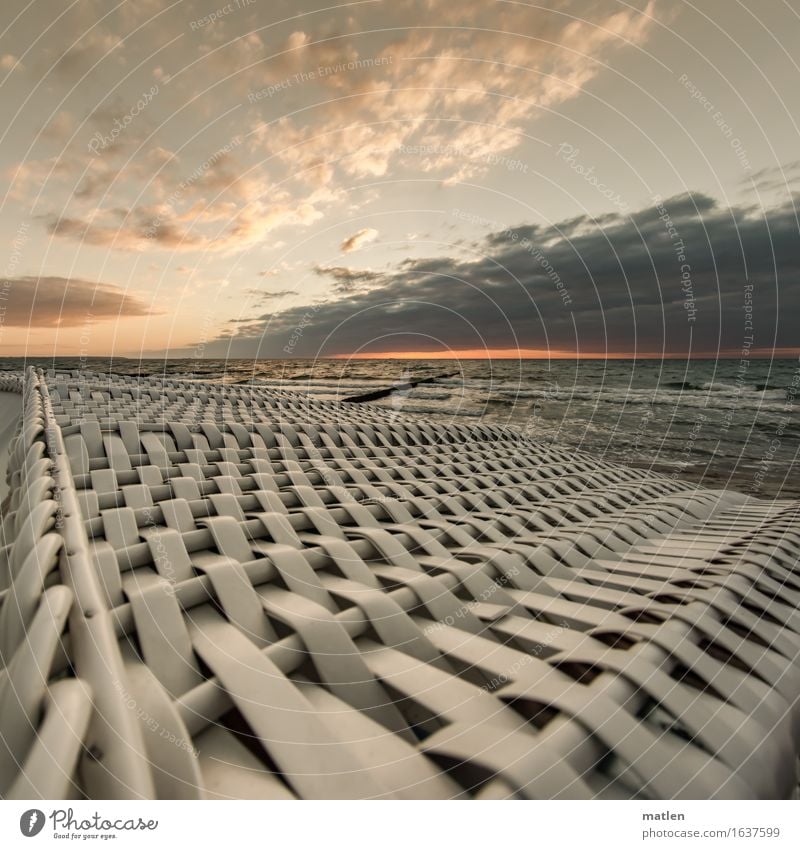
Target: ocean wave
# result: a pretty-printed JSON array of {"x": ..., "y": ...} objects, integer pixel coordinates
[
  {"x": 443, "y": 412},
  {"x": 729, "y": 388},
  {"x": 544, "y": 392},
  {"x": 457, "y": 381},
  {"x": 428, "y": 394},
  {"x": 317, "y": 384},
  {"x": 675, "y": 399}
]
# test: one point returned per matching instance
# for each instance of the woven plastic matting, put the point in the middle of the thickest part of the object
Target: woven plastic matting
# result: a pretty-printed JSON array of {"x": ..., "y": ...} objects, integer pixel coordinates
[{"x": 227, "y": 592}]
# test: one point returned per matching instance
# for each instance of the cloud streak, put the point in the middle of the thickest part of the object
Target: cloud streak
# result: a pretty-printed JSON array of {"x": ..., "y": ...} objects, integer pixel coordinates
[
  {"x": 366, "y": 86},
  {"x": 358, "y": 240},
  {"x": 647, "y": 283},
  {"x": 261, "y": 295}
]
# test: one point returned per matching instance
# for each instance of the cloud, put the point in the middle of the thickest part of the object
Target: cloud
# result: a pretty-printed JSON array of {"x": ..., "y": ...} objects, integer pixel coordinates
[
  {"x": 142, "y": 232},
  {"x": 219, "y": 224},
  {"x": 64, "y": 302},
  {"x": 259, "y": 294},
  {"x": 358, "y": 240},
  {"x": 669, "y": 278}
]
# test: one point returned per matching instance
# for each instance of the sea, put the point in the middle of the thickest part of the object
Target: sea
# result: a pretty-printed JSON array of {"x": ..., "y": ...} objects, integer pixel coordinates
[{"x": 725, "y": 423}]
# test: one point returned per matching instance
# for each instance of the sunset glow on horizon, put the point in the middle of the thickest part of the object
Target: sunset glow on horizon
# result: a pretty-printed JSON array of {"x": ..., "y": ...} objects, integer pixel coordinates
[{"x": 526, "y": 354}]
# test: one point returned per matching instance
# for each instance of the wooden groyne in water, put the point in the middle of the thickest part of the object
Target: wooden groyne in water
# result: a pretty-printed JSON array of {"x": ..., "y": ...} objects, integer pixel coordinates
[{"x": 216, "y": 591}]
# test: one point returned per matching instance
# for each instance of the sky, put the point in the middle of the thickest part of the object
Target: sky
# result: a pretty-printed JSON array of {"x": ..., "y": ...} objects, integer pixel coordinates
[{"x": 259, "y": 178}]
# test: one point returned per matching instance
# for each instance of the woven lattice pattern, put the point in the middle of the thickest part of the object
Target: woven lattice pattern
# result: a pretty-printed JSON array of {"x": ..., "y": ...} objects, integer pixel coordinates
[{"x": 230, "y": 592}]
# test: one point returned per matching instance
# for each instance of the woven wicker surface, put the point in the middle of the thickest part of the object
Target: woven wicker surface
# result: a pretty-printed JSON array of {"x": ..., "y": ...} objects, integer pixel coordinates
[{"x": 227, "y": 592}]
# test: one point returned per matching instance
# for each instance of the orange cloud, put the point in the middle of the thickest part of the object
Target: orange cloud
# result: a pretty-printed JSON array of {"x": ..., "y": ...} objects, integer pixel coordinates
[{"x": 358, "y": 240}]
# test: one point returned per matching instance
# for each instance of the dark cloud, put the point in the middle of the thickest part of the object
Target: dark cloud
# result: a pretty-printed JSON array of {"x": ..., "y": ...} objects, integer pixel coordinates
[
  {"x": 617, "y": 284},
  {"x": 63, "y": 302}
]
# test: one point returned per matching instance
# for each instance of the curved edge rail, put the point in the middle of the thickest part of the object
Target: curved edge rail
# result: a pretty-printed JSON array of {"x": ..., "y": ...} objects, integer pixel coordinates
[{"x": 69, "y": 720}]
